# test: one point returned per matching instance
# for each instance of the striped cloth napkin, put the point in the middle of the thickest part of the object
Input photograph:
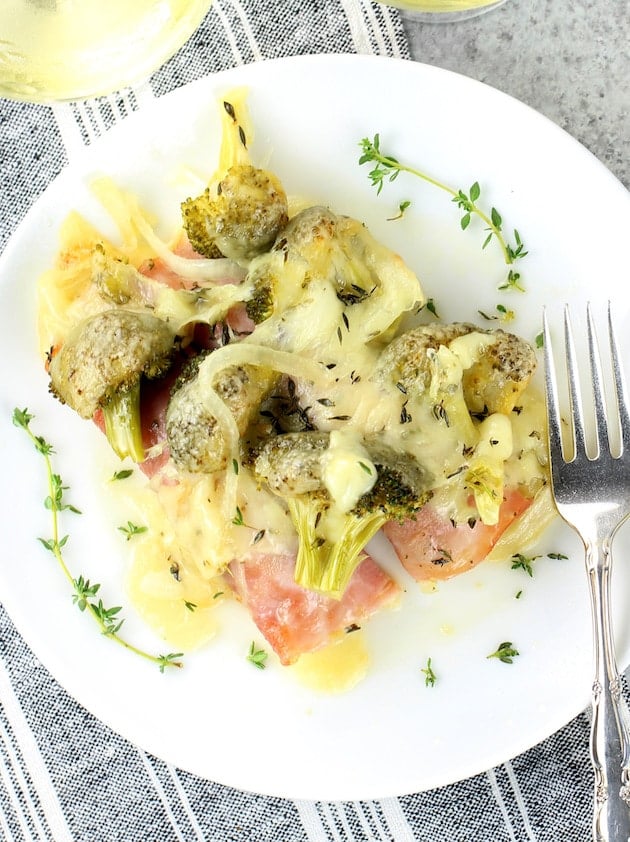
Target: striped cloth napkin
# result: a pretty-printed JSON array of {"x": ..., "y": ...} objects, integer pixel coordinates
[{"x": 65, "y": 776}]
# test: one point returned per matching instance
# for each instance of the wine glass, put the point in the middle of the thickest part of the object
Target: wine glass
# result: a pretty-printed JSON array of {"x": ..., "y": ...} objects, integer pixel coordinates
[
  {"x": 52, "y": 50},
  {"x": 444, "y": 11}
]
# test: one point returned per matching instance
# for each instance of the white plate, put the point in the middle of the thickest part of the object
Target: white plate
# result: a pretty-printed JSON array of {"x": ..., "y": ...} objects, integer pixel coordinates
[{"x": 219, "y": 717}]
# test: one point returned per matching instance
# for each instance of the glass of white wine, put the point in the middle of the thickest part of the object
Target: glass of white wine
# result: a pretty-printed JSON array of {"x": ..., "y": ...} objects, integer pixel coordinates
[
  {"x": 444, "y": 11},
  {"x": 52, "y": 50}
]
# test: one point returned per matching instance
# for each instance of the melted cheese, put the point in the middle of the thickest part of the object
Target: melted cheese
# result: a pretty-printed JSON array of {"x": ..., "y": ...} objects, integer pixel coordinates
[
  {"x": 209, "y": 541},
  {"x": 176, "y": 598},
  {"x": 171, "y": 598},
  {"x": 469, "y": 347},
  {"x": 347, "y": 470},
  {"x": 175, "y": 575},
  {"x": 335, "y": 669}
]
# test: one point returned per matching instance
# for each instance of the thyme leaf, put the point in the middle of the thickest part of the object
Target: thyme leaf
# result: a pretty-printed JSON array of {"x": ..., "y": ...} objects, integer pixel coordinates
[
  {"x": 503, "y": 313},
  {"x": 165, "y": 661},
  {"x": 124, "y": 474},
  {"x": 505, "y": 652},
  {"x": 430, "y": 305},
  {"x": 131, "y": 529},
  {"x": 402, "y": 207},
  {"x": 523, "y": 562},
  {"x": 429, "y": 675},
  {"x": 239, "y": 520},
  {"x": 257, "y": 657}
]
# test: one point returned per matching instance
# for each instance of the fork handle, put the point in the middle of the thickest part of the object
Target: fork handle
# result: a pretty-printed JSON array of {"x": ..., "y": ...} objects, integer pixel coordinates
[{"x": 610, "y": 729}]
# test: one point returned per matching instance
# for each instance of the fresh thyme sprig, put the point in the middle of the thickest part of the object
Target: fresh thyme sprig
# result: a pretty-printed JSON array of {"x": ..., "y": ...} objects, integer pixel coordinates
[
  {"x": 388, "y": 168},
  {"x": 84, "y": 592},
  {"x": 503, "y": 314},
  {"x": 402, "y": 207},
  {"x": 523, "y": 562}
]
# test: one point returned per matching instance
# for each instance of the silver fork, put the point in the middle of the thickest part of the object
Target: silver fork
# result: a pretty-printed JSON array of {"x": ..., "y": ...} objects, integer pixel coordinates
[{"x": 592, "y": 494}]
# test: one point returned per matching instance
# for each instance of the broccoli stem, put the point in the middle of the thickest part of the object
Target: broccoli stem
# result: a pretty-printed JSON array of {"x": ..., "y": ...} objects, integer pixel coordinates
[
  {"x": 122, "y": 423},
  {"x": 346, "y": 554},
  {"x": 324, "y": 566},
  {"x": 307, "y": 562}
]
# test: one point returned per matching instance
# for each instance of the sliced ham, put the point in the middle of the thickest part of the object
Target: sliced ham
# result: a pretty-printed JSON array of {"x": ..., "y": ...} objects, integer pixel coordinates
[
  {"x": 431, "y": 547},
  {"x": 294, "y": 620}
]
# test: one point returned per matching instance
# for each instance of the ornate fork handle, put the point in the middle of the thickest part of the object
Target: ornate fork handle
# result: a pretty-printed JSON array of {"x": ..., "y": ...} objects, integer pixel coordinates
[
  {"x": 610, "y": 730},
  {"x": 592, "y": 493}
]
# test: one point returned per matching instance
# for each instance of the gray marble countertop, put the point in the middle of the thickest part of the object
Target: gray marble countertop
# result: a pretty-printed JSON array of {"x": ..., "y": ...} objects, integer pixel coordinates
[{"x": 570, "y": 61}]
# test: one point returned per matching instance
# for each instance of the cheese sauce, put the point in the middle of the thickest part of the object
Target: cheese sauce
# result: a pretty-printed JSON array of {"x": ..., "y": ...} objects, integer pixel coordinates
[{"x": 336, "y": 668}]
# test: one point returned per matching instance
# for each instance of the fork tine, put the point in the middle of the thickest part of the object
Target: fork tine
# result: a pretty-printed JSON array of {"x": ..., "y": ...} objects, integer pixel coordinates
[
  {"x": 601, "y": 424},
  {"x": 575, "y": 394},
  {"x": 621, "y": 391},
  {"x": 551, "y": 395}
]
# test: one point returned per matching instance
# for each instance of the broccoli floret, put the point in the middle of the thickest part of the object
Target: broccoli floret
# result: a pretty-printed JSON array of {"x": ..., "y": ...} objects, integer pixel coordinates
[
  {"x": 260, "y": 306},
  {"x": 189, "y": 370},
  {"x": 406, "y": 361},
  {"x": 101, "y": 365},
  {"x": 196, "y": 441},
  {"x": 400, "y": 488},
  {"x": 492, "y": 382},
  {"x": 290, "y": 463},
  {"x": 278, "y": 278},
  {"x": 331, "y": 541},
  {"x": 242, "y": 219},
  {"x": 372, "y": 285},
  {"x": 306, "y": 248},
  {"x": 500, "y": 375}
]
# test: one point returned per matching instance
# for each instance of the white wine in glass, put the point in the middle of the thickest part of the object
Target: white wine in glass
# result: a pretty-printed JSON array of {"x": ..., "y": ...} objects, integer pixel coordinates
[
  {"x": 70, "y": 49},
  {"x": 445, "y": 10}
]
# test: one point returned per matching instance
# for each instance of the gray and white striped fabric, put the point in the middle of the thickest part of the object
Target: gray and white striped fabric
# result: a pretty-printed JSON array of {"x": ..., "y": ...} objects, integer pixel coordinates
[{"x": 65, "y": 776}]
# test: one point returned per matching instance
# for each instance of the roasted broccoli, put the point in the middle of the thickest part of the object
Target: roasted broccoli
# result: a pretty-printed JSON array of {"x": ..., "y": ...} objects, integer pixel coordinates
[
  {"x": 497, "y": 379},
  {"x": 300, "y": 253},
  {"x": 101, "y": 365},
  {"x": 370, "y": 285},
  {"x": 333, "y": 528},
  {"x": 265, "y": 278},
  {"x": 244, "y": 217},
  {"x": 496, "y": 373},
  {"x": 467, "y": 381},
  {"x": 195, "y": 438}
]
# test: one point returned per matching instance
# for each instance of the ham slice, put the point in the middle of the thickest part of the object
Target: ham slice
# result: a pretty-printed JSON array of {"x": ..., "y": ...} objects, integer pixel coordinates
[
  {"x": 294, "y": 620},
  {"x": 431, "y": 547}
]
